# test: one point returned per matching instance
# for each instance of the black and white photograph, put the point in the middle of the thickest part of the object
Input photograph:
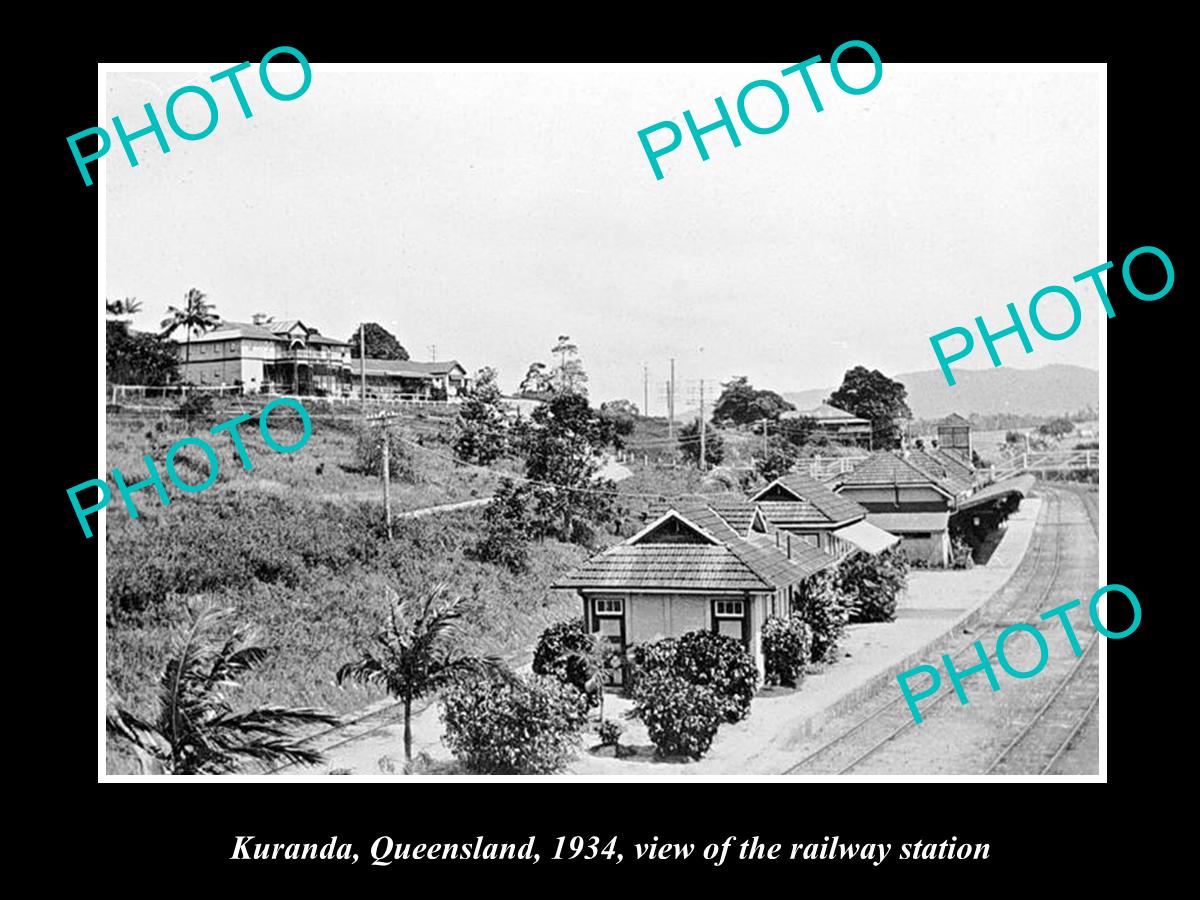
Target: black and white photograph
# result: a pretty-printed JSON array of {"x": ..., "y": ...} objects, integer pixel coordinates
[{"x": 625, "y": 422}]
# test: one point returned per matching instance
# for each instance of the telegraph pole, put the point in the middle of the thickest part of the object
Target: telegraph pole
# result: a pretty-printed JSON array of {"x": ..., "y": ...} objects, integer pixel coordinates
[
  {"x": 362, "y": 362},
  {"x": 703, "y": 453},
  {"x": 645, "y": 390},
  {"x": 384, "y": 420},
  {"x": 671, "y": 402},
  {"x": 765, "y": 446}
]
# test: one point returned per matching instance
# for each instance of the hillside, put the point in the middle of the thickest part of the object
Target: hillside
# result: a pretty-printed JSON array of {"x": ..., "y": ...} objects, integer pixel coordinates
[{"x": 1046, "y": 391}]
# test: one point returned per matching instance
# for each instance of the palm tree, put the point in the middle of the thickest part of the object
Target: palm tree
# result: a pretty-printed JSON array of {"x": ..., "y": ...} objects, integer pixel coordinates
[
  {"x": 197, "y": 316},
  {"x": 414, "y": 657},
  {"x": 126, "y": 307},
  {"x": 196, "y": 731}
]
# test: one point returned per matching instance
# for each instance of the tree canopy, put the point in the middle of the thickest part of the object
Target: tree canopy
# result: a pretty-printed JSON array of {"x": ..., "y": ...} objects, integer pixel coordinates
[
  {"x": 381, "y": 343},
  {"x": 869, "y": 394},
  {"x": 134, "y": 357},
  {"x": 741, "y": 404}
]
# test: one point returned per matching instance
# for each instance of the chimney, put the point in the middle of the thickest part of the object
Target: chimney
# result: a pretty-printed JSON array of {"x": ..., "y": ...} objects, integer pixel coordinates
[{"x": 789, "y": 542}]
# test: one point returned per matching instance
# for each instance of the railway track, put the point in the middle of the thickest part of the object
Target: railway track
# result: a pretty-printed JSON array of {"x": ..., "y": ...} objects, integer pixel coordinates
[{"x": 880, "y": 728}]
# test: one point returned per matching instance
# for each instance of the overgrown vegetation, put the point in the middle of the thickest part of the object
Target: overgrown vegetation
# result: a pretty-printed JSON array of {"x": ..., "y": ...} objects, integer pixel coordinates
[
  {"x": 701, "y": 658},
  {"x": 821, "y": 605},
  {"x": 681, "y": 718},
  {"x": 787, "y": 649},
  {"x": 512, "y": 725},
  {"x": 871, "y": 585}
]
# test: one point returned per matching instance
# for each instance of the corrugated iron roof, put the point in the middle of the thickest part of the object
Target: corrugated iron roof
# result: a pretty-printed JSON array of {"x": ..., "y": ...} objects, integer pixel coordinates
[{"x": 1020, "y": 485}]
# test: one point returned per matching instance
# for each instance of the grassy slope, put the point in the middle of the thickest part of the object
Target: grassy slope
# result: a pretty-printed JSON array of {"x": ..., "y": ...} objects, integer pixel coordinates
[{"x": 298, "y": 551}]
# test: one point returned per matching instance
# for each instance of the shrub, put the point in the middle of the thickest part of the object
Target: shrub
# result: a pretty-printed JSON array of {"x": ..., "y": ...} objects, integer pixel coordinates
[
  {"x": 196, "y": 405},
  {"x": 787, "y": 649},
  {"x": 823, "y": 608},
  {"x": 682, "y": 718},
  {"x": 707, "y": 659},
  {"x": 368, "y": 454},
  {"x": 872, "y": 584},
  {"x": 960, "y": 554},
  {"x": 568, "y": 652},
  {"x": 512, "y": 726},
  {"x": 610, "y": 732},
  {"x": 508, "y": 526}
]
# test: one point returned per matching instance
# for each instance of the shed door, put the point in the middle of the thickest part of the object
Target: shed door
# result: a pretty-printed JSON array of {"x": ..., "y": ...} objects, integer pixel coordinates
[
  {"x": 732, "y": 618},
  {"x": 608, "y": 618}
]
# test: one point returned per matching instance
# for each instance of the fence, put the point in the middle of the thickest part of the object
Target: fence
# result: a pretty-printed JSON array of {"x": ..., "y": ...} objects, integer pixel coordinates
[{"x": 121, "y": 393}]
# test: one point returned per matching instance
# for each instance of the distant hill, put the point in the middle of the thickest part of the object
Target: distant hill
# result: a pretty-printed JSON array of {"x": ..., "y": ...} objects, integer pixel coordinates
[{"x": 1046, "y": 391}]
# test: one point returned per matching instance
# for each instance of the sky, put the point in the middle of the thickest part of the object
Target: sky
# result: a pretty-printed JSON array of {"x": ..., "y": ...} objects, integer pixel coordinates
[{"x": 485, "y": 212}]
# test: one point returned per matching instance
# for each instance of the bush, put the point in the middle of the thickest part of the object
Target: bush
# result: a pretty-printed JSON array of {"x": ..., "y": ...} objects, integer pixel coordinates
[
  {"x": 610, "y": 732},
  {"x": 508, "y": 525},
  {"x": 564, "y": 651},
  {"x": 872, "y": 584},
  {"x": 682, "y": 718},
  {"x": 196, "y": 405},
  {"x": 960, "y": 554},
  {"x": 368, "y": 454},
  {"x": 823, "y": 608},
  {"x": 514, "y": 726},
  {"x": 702, "y": 658},
  {"x": 787, "y": 649}
]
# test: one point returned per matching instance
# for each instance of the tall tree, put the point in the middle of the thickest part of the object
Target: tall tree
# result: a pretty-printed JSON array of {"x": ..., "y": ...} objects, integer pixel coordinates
[
  {"x": 196, "y": 317},
  {"x": 196, "y": 731},
  {"x": 689, "y": 444},
  {"x": 381, "y": 343},
  {"x": 741, "y": 404},
  {"x": 568, "y": 375},
  {"x": 482, "y": 426},
  {"x": 126, "y": 307},
  {"x": 414, "y": 655},
  {"x": 869, "y": 394},
  {"x": 135, "y": 357}
]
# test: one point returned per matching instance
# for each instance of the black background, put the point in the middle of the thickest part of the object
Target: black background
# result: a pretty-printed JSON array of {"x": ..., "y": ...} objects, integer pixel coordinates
[{"x": 1067, "y": 833}]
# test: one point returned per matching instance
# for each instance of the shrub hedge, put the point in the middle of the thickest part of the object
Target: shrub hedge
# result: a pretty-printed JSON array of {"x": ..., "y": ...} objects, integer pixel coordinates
[{"x": 787, "y": 649}]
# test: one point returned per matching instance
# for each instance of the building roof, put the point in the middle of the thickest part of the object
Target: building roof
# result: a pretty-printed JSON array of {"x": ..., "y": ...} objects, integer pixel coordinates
[
  {"x": 732, "y": 563},
  {"x": 806, "y": 489},
  {"x": 950, "y": 476},
  {"x": 268, "y": 331},
  {"x": 826, "y": 414},
  {"x": 1020, "y": 486},
  {"x": 886, "y": 467},
  {"x": 902, "y": 522},
  {"x": 954, "y": 420},
  {"x": 407, "y": 368},
  {"x": 952, "y": 460}
]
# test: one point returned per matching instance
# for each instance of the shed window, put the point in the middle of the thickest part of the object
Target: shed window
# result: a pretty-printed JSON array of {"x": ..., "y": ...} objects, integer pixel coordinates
[
  {"x": 609, "y": 606},
  {"x": 730, "y": 609}
]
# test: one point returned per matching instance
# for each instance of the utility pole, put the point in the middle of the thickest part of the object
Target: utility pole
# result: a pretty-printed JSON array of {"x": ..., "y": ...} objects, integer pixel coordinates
[
  {"x": 671, "y": 402},
  {"x": 362, "y": 362},
  {"x": 765, "y": 445},
  {"x": 645, "y": 390},
  {"x": 432, "y": 352},
  {"x": 703, "y": 453},
  {"x": 385, "y": 419}
]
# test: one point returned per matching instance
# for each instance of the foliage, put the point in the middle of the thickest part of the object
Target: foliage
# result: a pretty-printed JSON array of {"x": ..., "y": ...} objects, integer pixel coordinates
[
  {"x": 741, "y": 404},
  {"x": 872, "y": 584},
  {"x": 136, "y": 357},
  {"x": 610, "y": 732},
  {"x": 414, "y": 656},
  {"x": 623, "y": 416},
  {"x": 568, "y": 376},
  {"x": 681, "y": 717},
  {"x": 127, "y": 307},
  {"x": 1014, "y": 437},
  {"x": 787, "y": 649},
  {"x": 563, "y": 446},
  {"x": 482, "y": 427},
  {"x": 368, "y": 453},
  {"x": 869, "y": 394},
  {"x": 196, "y": 317},
  {"x": 196, "y": 730},
  {"x": 569, "y": 652},
  {"x": 1057, "y": 427},
  {"x": 689, "y": 444},
  {"x": 512, "y": 726},
  {"x": 381, "y": 343},
  {"x": 508, "y": 526},
  {"x": 702, "y": 658},
  {"x": 821, "y": 605},
  {"x": 960, "y": 554},
  {"x": 781, "y": 456},
  {"x": 196, "y": 405}
]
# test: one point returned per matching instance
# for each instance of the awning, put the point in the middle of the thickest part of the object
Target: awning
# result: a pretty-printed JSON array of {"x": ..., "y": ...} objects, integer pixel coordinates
[
  {"x": 1020, "y": 486},
  {"x": 908, "y": 522},
  {"x": 866, "y": 536}
]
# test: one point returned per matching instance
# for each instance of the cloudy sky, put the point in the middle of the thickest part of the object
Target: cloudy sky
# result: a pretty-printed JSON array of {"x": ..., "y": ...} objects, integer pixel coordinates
[{"x": 488, "y": 211}]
